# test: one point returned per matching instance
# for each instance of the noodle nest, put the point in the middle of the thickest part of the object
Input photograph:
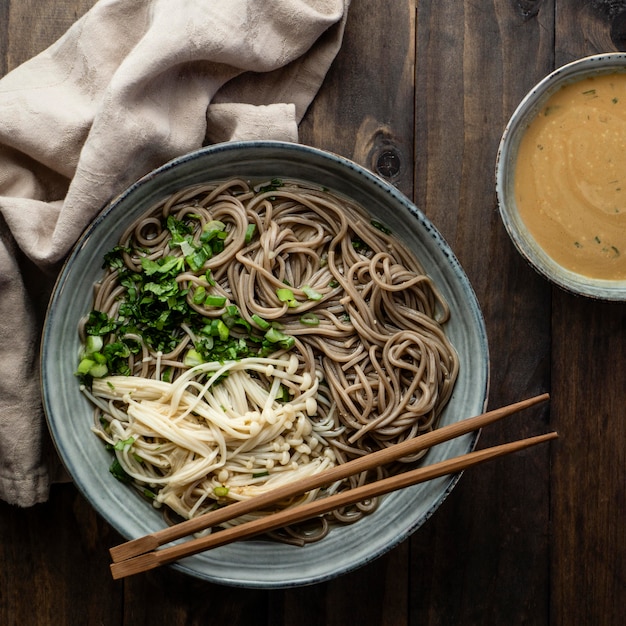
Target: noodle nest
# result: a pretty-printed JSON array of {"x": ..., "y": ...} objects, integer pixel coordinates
[{"x": 246, "y": 336}]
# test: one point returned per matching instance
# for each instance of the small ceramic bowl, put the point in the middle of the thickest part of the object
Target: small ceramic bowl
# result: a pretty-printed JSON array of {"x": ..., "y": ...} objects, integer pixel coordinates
[
  {"x": 507, "y": 159},
  {"x": 258, "y": 563}
]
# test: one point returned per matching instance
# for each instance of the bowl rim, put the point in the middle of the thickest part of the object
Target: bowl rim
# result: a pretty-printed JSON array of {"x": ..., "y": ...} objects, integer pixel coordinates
[
  {"x": 49, "y": 358},
  {"x": 524, "y": 113}
]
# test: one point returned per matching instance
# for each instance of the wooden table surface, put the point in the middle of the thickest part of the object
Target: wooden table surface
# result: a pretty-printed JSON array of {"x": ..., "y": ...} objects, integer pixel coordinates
[{"x": 420, "y": 92}]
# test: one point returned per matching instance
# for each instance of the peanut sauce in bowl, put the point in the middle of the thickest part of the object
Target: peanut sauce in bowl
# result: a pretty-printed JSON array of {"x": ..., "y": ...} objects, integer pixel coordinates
[{"x": 561, "y": 177}]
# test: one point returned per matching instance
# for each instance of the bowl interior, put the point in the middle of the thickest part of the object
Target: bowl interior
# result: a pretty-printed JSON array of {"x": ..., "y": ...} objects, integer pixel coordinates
[
  {"x": 526, "y": 111},
  {"x": 258, "y": 563}
]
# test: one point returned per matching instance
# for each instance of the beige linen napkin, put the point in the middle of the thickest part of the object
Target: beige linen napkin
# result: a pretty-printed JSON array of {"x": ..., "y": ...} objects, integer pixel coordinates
[{"x": 131, "y": 85}]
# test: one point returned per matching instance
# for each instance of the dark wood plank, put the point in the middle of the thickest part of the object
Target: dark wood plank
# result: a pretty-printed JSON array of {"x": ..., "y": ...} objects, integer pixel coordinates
[
  {"x": 4, "y": 37},
  {"x": 166, "y": 596},
  {"x": 372, "y": 595},
  {"x": 484, "y": 556},
  {"x": 30, "y": 26},
  {"x": 368, "y": 93},
  {"x": 589, "y": 343},
  {"x": 589, "y": 539},
  {"x": 55, "y": 564}
]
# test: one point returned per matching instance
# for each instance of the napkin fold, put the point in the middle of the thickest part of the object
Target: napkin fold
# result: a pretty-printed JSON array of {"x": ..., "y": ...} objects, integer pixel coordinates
[{"x": 131, "y": 85}]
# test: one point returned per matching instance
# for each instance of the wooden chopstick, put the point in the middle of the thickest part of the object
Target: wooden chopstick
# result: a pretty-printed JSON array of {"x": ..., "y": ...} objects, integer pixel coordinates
[
  {"x": 151, "y": 560},
  {"x": 150, "y": 542}
]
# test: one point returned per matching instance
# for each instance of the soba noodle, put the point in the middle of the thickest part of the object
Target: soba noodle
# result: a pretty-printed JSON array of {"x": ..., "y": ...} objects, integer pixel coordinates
[{"x": 282, "y": 331}]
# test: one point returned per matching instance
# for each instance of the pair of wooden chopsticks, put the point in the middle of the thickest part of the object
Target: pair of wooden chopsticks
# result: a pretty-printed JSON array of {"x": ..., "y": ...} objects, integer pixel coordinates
[{"x": 142, "y": 554}]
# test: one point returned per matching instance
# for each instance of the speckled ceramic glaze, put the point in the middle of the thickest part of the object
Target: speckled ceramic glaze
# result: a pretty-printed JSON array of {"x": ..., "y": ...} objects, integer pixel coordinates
[
  {"x": 528, "y": 108},
  {"x": 258, "y": 563}
]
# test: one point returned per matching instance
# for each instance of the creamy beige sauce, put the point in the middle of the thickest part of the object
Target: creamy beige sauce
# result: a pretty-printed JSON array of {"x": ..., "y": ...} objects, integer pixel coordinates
[{"x": 570, "y": 177}]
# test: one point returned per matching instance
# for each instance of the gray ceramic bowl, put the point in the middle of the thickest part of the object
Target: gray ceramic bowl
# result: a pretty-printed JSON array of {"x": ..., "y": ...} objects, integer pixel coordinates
[
  {"x": 258, "y": 563},
  {"x": 526, "y": 244}
]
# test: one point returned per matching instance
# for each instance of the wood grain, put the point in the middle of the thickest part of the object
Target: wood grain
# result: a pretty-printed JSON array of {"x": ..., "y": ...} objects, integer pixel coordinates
[
  {"x": 589, "y": 472},
  {"x": 420, "y": 92},
  {"x": 488, "y": 553}
]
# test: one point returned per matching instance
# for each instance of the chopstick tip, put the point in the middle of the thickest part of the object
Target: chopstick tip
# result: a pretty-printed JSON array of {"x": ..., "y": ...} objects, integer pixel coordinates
[
  {"x": 135, "y": 565},
  {"x": 133, "y": 548}
]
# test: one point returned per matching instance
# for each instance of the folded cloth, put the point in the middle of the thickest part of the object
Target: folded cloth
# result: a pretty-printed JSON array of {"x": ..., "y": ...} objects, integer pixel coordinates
[{"x": 131, "y": 85}]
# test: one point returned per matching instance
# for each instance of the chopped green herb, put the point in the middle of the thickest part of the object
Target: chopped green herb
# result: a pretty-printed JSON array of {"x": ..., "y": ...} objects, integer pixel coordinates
[
  {"x": 99, "y": 323},
  {"x": 283, "y": 394},
  {"x": 119, "y": 472},
  {"x": 381, "y": 227},
  {"x": 309, "y": 319},
  {"x": 273, "y": 185},
  {"x": 232, "y": 317},
  {"x": 260, "y": 322},
  {"x": 193, "y": 358},
  {"x": 157, "y": 309},
  {"x": 213, "y": 230},
  {"x": 250, "y": 230},
  {"x": 219, "y": 329},
  {"x": 286, "y": 295},
  {"x": 84, "y": 366},
  {"x": 551, "y": 109},
  {"x": 98, "y": 371},
  {"x": 311, "y": 294},
  {"x": 199, "y": 295},
  {"x": 198, "y": 257},
  {"x": 93, "y": 343},
  {"x": 114, "y": 258},
  {"x": 215, "y": 301},
  {"x": 359, "y": 245},
  {"x": 273, "y": 335},
  {"x": 187, "y": 247},
  {"x": 168, "y": 266},
  {"x": 123, "y": 443}
]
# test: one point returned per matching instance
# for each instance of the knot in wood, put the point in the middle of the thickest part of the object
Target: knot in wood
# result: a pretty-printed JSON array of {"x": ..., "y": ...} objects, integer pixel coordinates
[
  {"x": 388, "y": 163},
  {"x": 618, "y": 31},
  {"x": 528, "y": 9}
]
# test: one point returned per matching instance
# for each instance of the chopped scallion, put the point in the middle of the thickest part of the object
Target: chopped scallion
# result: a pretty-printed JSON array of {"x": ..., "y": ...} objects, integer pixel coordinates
[
  {"x": 84, "y": 366},
  {"x": 310, "y": 319},
  {"x": 186, "y": 247},
  {"x": 123, "y": 443},
  {"x": 273, "y": 335},
  {"x": 193, "y": 358},
  {"x": 199, "y": 295},
  {"x": 93, "y": 344},
  {"x": 311, "y": 294},
  {"x": 213, "y": 231},
  {"x": 217, "y": 301},
  {"x": 286, "y": 295},
  {"x": 260, "y": 322},
  {"x": 250, "y": 230}
]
